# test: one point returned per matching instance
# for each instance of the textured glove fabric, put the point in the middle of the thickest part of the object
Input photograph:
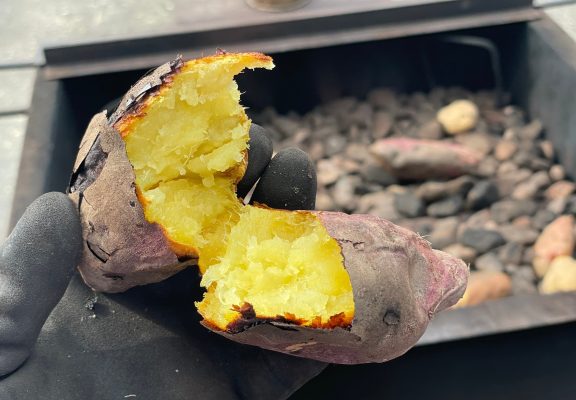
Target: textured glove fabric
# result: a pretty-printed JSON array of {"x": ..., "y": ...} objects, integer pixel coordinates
[
  {"x": 259, "y": 154},
  {"x": 288, "y": 182},
  {"x": 36, "y": 263},
  {"x": 146, "y": 343}
]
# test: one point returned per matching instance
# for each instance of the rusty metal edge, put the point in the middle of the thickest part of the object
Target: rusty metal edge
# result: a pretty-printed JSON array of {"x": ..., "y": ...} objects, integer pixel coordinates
[{"x": 78, "y": 64}]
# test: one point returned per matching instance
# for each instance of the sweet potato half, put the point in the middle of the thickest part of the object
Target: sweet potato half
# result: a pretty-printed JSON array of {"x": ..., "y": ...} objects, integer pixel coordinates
[{"x": 155, "y": 186}]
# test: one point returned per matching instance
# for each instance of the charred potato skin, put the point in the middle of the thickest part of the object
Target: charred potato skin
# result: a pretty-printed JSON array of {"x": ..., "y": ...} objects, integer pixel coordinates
[
  {"x": 398, "y": 284},
  {"x": 121, "y": 249}
]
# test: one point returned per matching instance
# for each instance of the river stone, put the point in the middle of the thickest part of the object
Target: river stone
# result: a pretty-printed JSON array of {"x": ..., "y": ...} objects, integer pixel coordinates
[
  {"x": 482, "y": 195},
  {"x": 409, "y": 205},
  {"x": 482, "y": 240}
]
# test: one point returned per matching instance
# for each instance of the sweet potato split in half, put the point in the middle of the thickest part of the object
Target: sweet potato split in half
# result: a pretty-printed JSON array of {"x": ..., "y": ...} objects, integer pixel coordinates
[
  {"x": 188, "y": 149},
  {"x": 155, "y": 184}
]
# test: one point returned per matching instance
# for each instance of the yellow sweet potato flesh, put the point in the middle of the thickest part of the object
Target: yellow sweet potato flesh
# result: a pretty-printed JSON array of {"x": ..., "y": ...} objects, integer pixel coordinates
[
  {"x": 283, "y": 264},
  {"x": 187, "y": 146}
]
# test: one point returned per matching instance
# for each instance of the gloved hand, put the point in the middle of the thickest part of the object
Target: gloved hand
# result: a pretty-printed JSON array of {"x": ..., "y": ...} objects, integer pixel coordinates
[{"x": 145, "y": 343}]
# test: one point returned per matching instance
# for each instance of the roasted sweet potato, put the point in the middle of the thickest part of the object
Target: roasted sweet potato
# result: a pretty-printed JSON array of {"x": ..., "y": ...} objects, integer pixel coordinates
[{"x": 155, "y": 185}]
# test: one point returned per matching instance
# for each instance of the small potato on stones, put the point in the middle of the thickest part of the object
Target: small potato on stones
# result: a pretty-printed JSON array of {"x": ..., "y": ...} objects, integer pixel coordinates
[
  {"x": 557, "y": 239},
  {"x": 484, "y": 286},
  {"x": 560, "y": 277},
  {"x": 155, "y": 185},
  {"x": 458, "y": 117}
]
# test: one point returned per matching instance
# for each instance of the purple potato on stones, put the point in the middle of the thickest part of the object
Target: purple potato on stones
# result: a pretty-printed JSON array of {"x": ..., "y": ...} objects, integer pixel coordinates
[{"x": 419, "y": 159}]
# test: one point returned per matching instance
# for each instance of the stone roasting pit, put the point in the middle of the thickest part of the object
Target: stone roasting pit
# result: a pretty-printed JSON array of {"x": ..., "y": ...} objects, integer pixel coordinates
[{"x": 478, "y": 180}]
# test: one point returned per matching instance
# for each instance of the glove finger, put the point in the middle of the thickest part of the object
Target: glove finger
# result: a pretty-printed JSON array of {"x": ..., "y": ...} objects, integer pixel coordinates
[
  {"x": 36, "y": 264},
  {"x": 289, "y": 182},
  {"x": 279, "y": 376},
  {"x": 259, "y": 155}
]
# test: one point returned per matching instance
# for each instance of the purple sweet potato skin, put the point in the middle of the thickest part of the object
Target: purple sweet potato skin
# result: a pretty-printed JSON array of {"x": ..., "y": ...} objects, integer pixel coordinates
[
  {"x": 121, "y": 249},
  {"x": 399, "y": 282}
]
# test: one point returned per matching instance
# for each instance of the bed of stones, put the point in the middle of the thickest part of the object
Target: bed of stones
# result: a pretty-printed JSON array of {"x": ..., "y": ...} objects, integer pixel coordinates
[{"x": 476, "y": 179}]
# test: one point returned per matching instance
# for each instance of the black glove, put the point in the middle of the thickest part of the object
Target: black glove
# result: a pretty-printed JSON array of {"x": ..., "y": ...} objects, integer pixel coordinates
[{"x": 145, "y": 343}]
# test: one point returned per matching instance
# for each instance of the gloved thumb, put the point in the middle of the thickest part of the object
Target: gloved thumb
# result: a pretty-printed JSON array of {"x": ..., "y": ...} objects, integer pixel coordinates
[{"x": 36, "y": 264}]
